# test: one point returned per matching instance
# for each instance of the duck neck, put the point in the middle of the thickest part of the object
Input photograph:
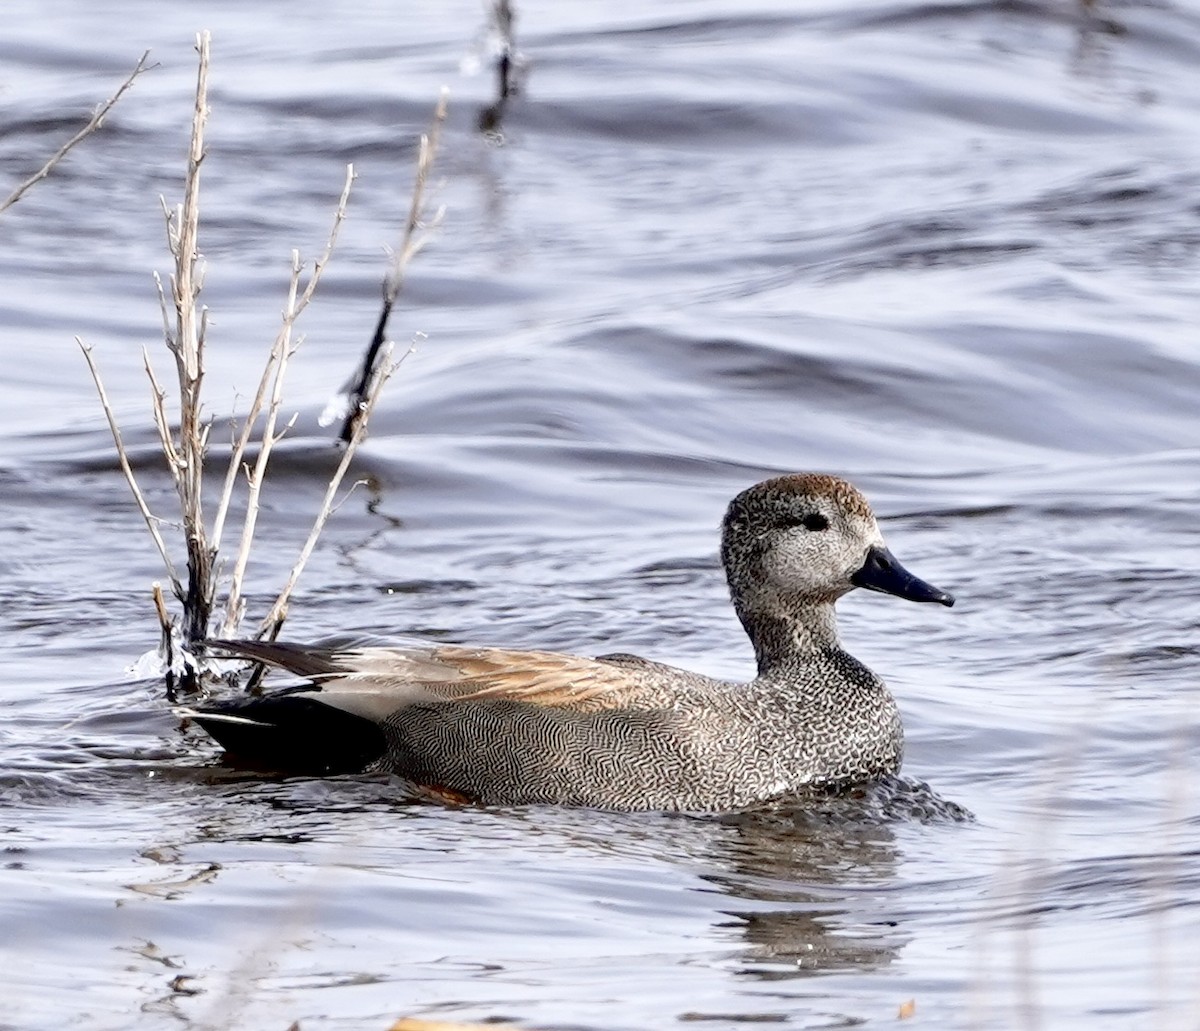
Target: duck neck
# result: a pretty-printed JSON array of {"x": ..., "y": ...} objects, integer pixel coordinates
[{"x": 788, "y": 630}]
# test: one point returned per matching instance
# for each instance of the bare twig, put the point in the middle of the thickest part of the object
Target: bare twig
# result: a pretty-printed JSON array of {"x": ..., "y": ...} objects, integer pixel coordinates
[
  {"x": 339, "y": 216},
  {"x": 96, "y": 121},
  {"x": 166, "y": 645},
  {"x": 289, "y": 317},
  {"x": 274, "y": 619},
  {"x": 185, "y": 323},
  {"x": 123, "y": 456},
  {"x": 162, "y": 294},
  {"x": 166, "y": 441},
  {"x": 185, "y": 339},
  {"x": 275, "y": 370},
  {"x": 410, "y": 243},
  {"x": 280, "y": 353},
  {"x": 189, "y": 358},
  {"x": 160, "y": 606}
]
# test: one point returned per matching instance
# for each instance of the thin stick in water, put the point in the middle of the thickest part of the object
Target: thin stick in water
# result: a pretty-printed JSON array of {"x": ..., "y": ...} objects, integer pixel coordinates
[
  {"x": 280, "y": 353},
  {"x": 243, "y": 438},
  {"x": 410, "y": 243},
  {"x": 123, "y": 457},
  {"x": 274, "y": 619},
  {"x": 96, "y": 121}
]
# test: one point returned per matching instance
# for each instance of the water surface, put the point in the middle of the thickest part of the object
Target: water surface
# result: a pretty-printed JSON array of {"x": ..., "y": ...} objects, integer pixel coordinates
[{"x": 947, "y": 250}]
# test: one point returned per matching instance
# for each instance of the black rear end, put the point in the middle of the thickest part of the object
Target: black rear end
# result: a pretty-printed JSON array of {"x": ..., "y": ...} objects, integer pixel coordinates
[{"x": 291, "y": 733}]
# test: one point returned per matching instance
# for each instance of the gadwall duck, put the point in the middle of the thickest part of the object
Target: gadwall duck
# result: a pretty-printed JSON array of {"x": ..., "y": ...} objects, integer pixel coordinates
[{"x": 502, "y": 727}]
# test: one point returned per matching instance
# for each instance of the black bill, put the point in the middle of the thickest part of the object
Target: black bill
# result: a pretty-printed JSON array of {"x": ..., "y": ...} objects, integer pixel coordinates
[{"x": 881, "y": 572}]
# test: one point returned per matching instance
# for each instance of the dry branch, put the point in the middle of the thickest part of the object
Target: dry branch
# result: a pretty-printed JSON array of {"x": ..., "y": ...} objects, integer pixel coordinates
[
  {"x": 189, "y": 362},
  {"x": 152, "y": 520},
  {"x": 239, "y": 447},
  {"x": 273, "y": 372},
  {"x": 96, "y": 121},
  {"x": 273, "y": 621},
  {"x": 410, "y": 243},
  {"x": 184, "y": 444},
  {"x": 281, "y": 352}
]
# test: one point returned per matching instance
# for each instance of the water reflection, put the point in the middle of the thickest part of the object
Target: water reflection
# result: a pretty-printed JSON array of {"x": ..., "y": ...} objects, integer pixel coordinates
[
  {"x": 1093, "y": 53},
  {"x": 508, "y": 65},
  {"x": 814, "y": 871},
  {"x": 824, "y": 881}
]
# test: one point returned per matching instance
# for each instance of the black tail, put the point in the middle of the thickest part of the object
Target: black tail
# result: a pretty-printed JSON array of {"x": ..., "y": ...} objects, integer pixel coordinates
[
  {"x": 290, "y": 733},
  {"x": 303, "y": 660}
]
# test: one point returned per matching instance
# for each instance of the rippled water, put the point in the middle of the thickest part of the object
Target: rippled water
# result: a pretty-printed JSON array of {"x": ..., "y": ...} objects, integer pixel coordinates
[{"x": 948, "y": 250}]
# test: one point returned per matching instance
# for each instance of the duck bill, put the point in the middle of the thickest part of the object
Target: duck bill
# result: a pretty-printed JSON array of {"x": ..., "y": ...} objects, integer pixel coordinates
[{"x": 881, "y": 572}]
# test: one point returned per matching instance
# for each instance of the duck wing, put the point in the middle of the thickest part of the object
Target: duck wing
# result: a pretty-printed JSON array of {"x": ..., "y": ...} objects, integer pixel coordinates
[
  {"x": 487, "y": 724},
  {"x": 373, "y": 682}
]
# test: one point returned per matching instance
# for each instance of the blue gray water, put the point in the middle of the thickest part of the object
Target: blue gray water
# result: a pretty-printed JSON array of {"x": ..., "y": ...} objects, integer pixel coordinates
[{"x": 949, "y": 250}]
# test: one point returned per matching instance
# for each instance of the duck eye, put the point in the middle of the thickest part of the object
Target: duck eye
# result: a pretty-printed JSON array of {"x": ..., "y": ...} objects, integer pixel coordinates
[{"x": 811, "y": 521}]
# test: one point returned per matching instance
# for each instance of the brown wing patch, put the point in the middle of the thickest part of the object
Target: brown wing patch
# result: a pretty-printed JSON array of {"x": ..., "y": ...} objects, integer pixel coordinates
[
  {"x": 539, "y": 678},
  {"x": 380, "y": 677}
]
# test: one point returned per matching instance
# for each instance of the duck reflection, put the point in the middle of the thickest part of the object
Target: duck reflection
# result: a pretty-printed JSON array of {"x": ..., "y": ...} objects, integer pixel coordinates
[
  {"x": 806, "y": 878},
  {"x": 809, "y": 894}
]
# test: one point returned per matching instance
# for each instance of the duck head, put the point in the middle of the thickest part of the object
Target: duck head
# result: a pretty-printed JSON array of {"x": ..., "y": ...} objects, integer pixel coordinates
[{"x": 792, "y": 546}]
